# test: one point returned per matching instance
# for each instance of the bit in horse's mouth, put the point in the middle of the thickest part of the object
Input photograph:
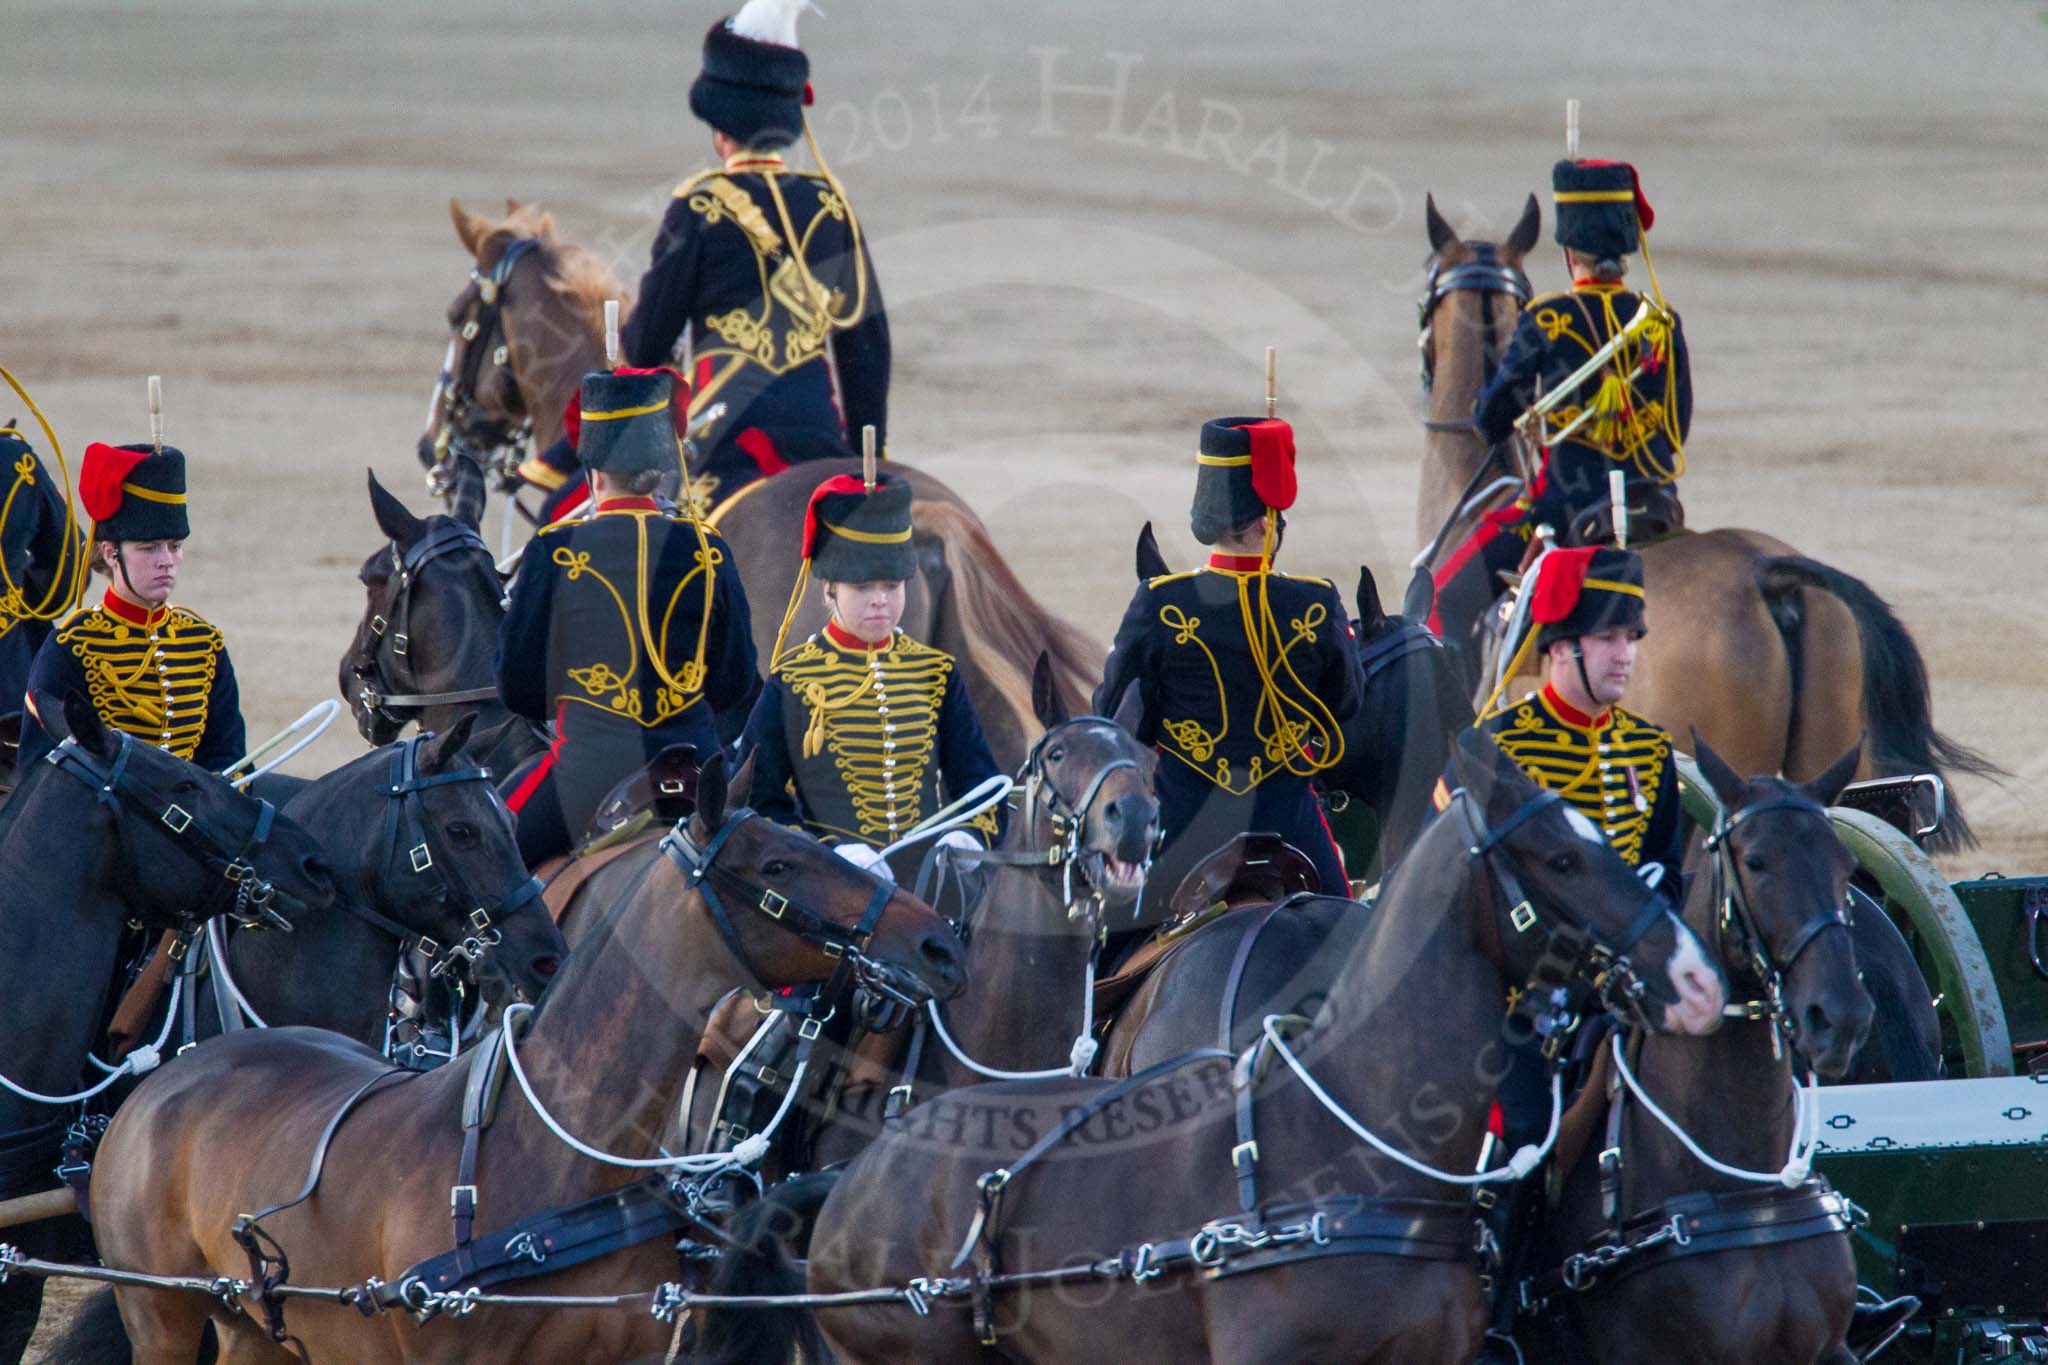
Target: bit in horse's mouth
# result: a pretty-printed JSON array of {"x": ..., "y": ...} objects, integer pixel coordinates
[{"x": 1115, "y": 877}]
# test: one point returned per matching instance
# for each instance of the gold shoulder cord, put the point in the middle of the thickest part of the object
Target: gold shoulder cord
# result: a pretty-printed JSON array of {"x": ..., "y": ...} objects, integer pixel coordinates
[
  {"x": 817, "y": 292},
  {"x": 68, "y": 584},
  {"x": 1316, "y": 721},
  {"x": 692, "y": 679}
]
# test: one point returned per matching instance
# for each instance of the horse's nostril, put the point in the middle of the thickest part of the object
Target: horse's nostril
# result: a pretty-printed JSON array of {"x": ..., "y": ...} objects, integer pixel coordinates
[
  {"x": 1818, "y": 1025},
  {"x": 546, "y": 965}
]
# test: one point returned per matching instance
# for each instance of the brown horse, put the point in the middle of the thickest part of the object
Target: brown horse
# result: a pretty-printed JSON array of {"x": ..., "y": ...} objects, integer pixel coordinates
[
  {"x": 1785, "y": 660},
  {"x": 232, "y": 1126},
  {"x": 548, "y": 334},
  {"x": 1767, "y": 1287},
  {"x": 1187, "y": 1232}
]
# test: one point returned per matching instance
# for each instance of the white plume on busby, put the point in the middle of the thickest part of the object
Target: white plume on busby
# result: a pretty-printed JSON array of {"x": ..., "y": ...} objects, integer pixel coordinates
[{"x": 770, "y": 21}]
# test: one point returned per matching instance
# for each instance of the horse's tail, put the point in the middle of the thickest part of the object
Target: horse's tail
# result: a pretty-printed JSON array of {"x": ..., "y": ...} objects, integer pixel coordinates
[
  {"x": 1000, "y": 629},
  {"x": 95, "y": 1335},
  {"x": 760, "y": 1263},
  {"x": 1898, "y": 709}
]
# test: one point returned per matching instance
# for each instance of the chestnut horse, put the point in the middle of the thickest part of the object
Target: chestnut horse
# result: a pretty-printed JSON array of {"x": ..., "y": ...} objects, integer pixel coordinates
[
  {"x": 1786, "y": 661},
  {"x": 233, "y": 1126},
  {"x": 548, "y": 334},
  {"x": 1183, "y": 1235}
]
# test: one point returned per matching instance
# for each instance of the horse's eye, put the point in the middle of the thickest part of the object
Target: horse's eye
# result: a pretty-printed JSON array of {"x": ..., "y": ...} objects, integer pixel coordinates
[
  {"x": 1753, "y": 862},
  {"x": 184, "y": 787},
  {"x": 1055, "y": 754},
  {"x": 774, "y": 867},
  {"x": 462, "y": 832},
  {"x": 1564, "y": 862}
]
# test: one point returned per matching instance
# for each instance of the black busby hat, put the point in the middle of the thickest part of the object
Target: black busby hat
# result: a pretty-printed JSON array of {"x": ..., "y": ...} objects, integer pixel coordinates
[
  {"x": 855, "y": 535},
  {"x": 1244, "y": 466},
  {"x": 1601, "y": 210},
  {"x": 625, "y": 421},
  {"x": 756, "y": 81},
  {"x": 134, "y": 492},
  {"x": 1585, "y": 592}
]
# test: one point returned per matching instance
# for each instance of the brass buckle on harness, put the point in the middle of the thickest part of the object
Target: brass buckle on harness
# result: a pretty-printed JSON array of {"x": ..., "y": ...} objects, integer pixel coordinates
[
  {"x": 422, "y": 856},
  {"x": 1244, "y": 1154},
  {"x": 1523, "y": 917},
  {"x": 176, "y": 818},
  {"x": 773, "y": 904},
  {"x": 456, "y": 1195}
]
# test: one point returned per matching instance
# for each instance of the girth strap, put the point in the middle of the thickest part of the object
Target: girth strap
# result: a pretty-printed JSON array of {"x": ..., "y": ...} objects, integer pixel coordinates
[{"x": 1244, "y": 1157}]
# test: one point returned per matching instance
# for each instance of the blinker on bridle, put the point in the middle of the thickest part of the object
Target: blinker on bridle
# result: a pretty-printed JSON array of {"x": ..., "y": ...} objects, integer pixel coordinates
[
  {"x": 458, "y": 435},
  {"x": 1767, "y": 964},
  {"x": 391, "y": 626}
]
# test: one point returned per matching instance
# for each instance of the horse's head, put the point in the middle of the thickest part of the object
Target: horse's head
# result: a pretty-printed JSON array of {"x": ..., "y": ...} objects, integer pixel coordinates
[
  {"x": 433, "y": 600},
  {"x": 1781, "y": 879},
  {"x": 1472, "y": 297},
  {"x": 1088, "y": 790},
  {"x": 792, "y": 911},
  {"x": 1568, "y": 907},
  {"x": 523, "y": 330},
  {"x": 423, "y": 838},
  {"x": 186, "y": 844}
]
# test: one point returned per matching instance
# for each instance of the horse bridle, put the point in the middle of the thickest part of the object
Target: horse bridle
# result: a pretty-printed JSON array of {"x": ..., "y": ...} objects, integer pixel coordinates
[
  {"x": 408, "y": 834},
  {"x": 459, "y": 435},
  {"x": 848, "y": 945},
  {"x": 1487, "y": 275},
  {"x": 389, "y": 628},
  {"x": 252, "y": 894},
  {"x": 1568, "y": 952},
  {"x": 1766, "y": 963},
  {"x": 1067, "y": 818}
]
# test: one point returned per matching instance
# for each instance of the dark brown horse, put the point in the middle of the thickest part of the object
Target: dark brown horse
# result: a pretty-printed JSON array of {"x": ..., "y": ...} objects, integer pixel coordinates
[
  {"x": 964, "y": 599},
  {"x": 1777, "y": 890},
  {"x": 1196, "y": 1229},
  {"x": 232, "y": 1126},
  {"x": 1070, "y": 871},
  {"x": 1785, "y": 660}
]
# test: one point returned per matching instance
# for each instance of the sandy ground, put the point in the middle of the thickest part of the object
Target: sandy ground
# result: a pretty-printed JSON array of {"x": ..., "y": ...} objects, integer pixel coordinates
[{"x": 1088, "y": 221}]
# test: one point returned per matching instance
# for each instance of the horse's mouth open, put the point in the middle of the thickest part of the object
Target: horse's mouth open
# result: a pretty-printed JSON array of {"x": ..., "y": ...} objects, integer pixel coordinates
[{"x": 1113, "y": 878}]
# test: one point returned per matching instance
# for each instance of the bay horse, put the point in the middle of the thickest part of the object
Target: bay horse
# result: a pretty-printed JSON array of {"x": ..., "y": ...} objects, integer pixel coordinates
[
  {"x": 548, "y": 328},
  {"x": 1173, "y": 1219},
  {"x": 425, "y": 651},
  {"x": 1069, "y": 871},
  {"x": 108, "y": 832},
  {"x": 1770, "y": 1280},
  {"x": 1784, "y": 660},
  {"x": 729, "y": 899}
]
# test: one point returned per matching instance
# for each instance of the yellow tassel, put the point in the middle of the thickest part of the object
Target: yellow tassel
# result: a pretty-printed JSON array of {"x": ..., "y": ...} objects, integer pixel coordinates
[{"x": 814, "y": 730}]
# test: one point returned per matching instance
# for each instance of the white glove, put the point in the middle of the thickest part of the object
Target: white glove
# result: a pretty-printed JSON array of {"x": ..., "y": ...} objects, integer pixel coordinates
[
  {"x": 960, "y": 839},
  {"x": 865, "y": 858}
]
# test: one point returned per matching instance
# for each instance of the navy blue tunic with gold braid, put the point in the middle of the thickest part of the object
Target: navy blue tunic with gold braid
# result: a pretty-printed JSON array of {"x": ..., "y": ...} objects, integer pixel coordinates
[
  {"x": 757, "y": 263},
  {"x": 627, "y": 630},
  {"x": 859, "y": 743},
  {"x": 1555, "y": 335},
  {"x": 162, "y": 676},
  {"x": 1233, "y": 761}
]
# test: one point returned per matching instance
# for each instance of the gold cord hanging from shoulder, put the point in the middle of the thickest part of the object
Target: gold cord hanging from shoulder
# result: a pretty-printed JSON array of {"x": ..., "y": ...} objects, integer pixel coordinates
[{"x": 67, "y": 581}]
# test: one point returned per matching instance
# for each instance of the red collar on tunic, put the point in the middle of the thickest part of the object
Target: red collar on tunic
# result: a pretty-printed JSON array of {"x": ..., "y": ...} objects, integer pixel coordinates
[
  {"x": 122, "y": 609},
  {"x": 846, "y": 639},
  {"x": 627, "y": 504},
  {"x": 1572, "y": 715},
  {"x": 1224, "y": 563}
]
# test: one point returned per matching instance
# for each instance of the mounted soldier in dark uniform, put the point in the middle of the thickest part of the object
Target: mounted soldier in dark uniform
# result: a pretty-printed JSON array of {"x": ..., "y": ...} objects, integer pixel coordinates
[
  {"x": 628, "y": 628},
  {"x": 1242, "y": 676},
  {"x": 1632, "y": 415},
  {"x": 762, "y": 272},
  {"x": 861, "y": 732},
  {"x": 1585, "y": 615},
  {"x": 42, "y": 561},
  {"x": 157, "y": 672}
]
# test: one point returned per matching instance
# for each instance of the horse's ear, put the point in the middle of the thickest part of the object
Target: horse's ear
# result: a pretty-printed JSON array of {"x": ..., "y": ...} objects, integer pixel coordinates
[
  {"x": 512, "y": 206},
  {"x": 1045, "y": 693},
  {"x": 1442, "y": 236},
  {"x": 740, "y": 791},
  {"x": 1151, "y": 563},
  {"x": 467, "y": 503},
  {"x": 711, "y": 795},
  {"x": 1527, "y": 230},
  {"x": 394, "y": 519},
  {"x": 1370, "y": 612},
  {"x": 1727, "y": 783},
  {"x": 444, "y": 750},
  {"x": 547, "y": 227},
  {"x": 83, "y": 724},
  {"x": 470, "y": 230},
  {"x": 1827, "y": 788}
]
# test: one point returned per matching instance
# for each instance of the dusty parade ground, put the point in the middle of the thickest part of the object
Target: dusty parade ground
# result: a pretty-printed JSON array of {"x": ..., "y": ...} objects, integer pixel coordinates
[{"x": 1088, "y": 220}]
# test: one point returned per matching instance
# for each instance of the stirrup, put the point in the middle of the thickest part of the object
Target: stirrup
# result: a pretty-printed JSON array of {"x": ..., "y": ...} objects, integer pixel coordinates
[{"x": 1491, "y": 1354}]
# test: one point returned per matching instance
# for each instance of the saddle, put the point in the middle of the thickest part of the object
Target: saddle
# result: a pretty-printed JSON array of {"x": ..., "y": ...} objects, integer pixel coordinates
[
  {"x": 665, "y": 791},
  {"x": 563, "y": 877},
  {"x": 1254, "y": 868},
  {"x": 1654, "y": 513}
]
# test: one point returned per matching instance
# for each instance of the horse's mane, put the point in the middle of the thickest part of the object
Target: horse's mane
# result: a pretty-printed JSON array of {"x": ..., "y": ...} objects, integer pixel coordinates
[{"x": 582, "y": 277}]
